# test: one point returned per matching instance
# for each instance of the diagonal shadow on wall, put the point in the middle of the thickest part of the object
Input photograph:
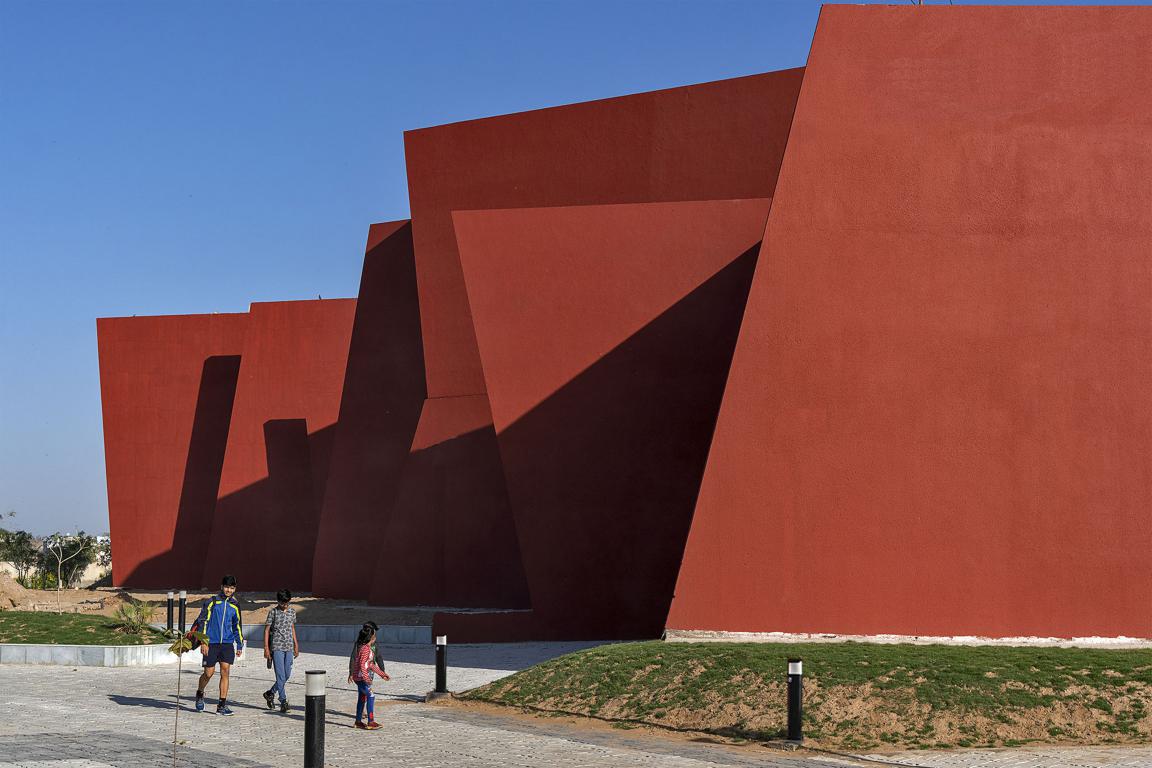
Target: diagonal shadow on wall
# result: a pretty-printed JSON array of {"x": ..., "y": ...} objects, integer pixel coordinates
[{"x": 603, "y": 475}]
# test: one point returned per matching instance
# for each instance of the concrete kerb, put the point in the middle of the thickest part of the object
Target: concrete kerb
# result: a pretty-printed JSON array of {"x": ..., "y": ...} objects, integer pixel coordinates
[
  {"x": 86, "y": 655},
  {"x": 388, "y": 634}
]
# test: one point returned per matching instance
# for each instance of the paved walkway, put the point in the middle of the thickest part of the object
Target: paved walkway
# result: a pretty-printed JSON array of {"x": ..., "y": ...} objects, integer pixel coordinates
[{"x": 94, "y": 717}]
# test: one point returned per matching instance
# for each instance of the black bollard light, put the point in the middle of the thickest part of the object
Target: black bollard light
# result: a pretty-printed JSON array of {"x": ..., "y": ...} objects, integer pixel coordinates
[
  {"x": 171, "y": 601},
  {"x": 441, "y": 664},
  {"x": 183, "y": 610},
  {"x": 314, "y": 694},
  {"x": 795, "y": 696}
]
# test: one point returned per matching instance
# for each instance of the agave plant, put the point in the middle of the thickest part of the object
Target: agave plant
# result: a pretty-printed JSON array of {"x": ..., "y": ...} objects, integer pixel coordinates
[{"x": 181, "y": 645}]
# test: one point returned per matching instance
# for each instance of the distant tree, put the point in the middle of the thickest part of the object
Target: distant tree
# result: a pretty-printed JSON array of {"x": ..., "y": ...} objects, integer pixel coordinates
[
  {"x": 104, "y": 553},
  {"x": 19, "y": 549},
  {"x": 66, "y": 554}
]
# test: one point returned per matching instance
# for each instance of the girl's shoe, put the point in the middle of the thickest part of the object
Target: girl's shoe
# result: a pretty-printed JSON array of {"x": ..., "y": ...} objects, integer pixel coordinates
[
  {"x": 372, "y": 725},
  {"x": 361, "y": 724},
  {"x": 268, "y": 699},
  {"x": 284, "y": 706}
]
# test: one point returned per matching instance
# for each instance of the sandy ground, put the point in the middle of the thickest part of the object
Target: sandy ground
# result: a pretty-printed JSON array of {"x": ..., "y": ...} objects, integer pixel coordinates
[{"x": 104, "y": 601}]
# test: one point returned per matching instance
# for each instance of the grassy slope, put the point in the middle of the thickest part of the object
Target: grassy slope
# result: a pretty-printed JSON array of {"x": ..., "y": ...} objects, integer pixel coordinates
[
  {"x": 67, "y": 629},
  {"x": 856, "y": 695}
]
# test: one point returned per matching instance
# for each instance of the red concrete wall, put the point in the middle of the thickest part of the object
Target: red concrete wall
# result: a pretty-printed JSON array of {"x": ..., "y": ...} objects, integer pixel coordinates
[
  {"x": 714, "y": 141},
  {"x": 276, "y": 463},
  {"x": 938, "y": 419},
  {"x": 450, "y": 540},
  {"x": 605, "y": 334},
  {"x": 379, "y": 410},
  {"x": 166, "y": 388}
]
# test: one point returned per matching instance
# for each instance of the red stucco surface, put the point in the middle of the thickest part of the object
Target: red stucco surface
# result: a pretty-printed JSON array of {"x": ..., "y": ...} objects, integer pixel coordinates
[
  {"x": 166, "y": 389},
  {"x": 450, "y": 539},
  {"x": 938, "y": 418},
  {"x": 276, "y": 463},
  {"x": 605, "y": 334},
  {"x": 719, "y": 140},
  {"x": 379, "y": 409}
]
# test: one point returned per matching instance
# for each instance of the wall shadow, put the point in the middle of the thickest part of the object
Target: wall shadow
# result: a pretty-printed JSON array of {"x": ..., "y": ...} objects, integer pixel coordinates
[
  {"x": 451, "y": 539},
  {"x": 183, "y": 563},
  {"x": 380, "y": 406},
  {"x": 603, "y": 476}
]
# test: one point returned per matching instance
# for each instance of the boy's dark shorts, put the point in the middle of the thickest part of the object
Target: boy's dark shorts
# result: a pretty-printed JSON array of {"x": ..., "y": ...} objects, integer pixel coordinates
[{"x": 220, "y": 653}]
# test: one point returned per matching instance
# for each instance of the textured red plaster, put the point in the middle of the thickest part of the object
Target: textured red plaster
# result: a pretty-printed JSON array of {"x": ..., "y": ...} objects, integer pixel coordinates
[
  {"x": 166, "y": 387},
  {"x": 606, "y": 334},
  {"x": 450, "y": 540},
  {"x": 938, "y": 418},
  {"x": 719, "y": 140},
  {"x": 379, "y": 410},
  {"x": 276, "y": 463}
]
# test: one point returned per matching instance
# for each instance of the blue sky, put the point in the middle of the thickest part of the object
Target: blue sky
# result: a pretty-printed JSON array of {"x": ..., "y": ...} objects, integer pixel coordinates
[{"x": 169, "y": 158}]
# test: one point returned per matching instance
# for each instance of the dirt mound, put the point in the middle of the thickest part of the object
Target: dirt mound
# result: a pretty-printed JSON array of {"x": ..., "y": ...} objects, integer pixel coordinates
[{"x": 11, "y": 593}]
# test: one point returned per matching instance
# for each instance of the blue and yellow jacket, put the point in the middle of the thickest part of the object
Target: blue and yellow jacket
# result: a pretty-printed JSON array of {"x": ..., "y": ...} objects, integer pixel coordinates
[{"x": 220, "y": 619}]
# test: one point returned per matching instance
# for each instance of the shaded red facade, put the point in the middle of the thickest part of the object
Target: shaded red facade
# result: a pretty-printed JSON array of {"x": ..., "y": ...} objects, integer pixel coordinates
[
  {"x": 276, "y": 463},
  {"x": 604, "y": 394},
  {"x": 576, "y": 388},
  {"x": 379, "y": 409},
  {"x": 166, "y": 388}
]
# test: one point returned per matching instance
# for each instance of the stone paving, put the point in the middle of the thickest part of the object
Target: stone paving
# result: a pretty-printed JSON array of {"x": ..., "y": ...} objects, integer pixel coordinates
[{"x": 95, "y": 717}]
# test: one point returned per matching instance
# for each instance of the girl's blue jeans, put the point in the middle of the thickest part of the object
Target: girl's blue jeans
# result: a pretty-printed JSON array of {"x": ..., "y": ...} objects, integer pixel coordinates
[
  {"x": 365, "y": 698},
  {"x": 282, "y": 663}
]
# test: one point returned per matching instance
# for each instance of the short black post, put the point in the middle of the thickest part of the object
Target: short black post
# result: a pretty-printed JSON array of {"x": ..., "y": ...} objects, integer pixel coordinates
[
  {"x": 795, "y": 697},
  {"x": 183, "y": 610},
  {"x": 314, "y": 694},
  {"x": 171, "y": 601},
  {"x": 441, "y": 664}
]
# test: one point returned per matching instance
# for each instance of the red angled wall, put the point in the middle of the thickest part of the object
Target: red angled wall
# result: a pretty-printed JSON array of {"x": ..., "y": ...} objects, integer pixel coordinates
[
  {"x": 379, "y": 410},
  {"x": 166, "y": 389},
  {"x": 276, "y": 464},
  {"x": 938, "y": 419},
  {"x": 711, "y": 141},
  {"x": 714, "y": 141},
  {"x": 605, "y": 334}
]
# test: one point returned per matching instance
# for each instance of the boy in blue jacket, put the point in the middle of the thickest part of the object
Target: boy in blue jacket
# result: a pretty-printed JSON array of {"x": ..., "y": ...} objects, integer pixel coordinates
[{"x": 219, "y": 619}]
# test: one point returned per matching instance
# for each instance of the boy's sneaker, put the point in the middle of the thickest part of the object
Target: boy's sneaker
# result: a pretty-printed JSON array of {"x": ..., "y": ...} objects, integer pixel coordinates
[
  {"x": 284, "y": 706},
  {"x": 199, "y": 703},
  {"x": 222, "y": 709},
  {"x": 372, "y": 725},
  {"x": 268, "y": 699}
]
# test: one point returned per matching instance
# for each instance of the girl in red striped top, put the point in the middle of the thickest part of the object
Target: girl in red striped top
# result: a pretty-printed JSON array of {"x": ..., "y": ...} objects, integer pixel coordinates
[{"x": 361, "y": 669}]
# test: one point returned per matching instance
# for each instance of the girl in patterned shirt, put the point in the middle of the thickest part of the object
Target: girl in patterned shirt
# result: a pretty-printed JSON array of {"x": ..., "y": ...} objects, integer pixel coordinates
[{"x": 361, "y": 668}]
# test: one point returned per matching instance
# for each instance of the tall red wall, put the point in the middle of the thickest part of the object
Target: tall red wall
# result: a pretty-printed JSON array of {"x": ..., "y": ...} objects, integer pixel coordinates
[
  {"x": 379, "y": 410},
  {"x": 166, "y": 388},
  {"x": 712, "y": 141},
  {"x": 276, "y": 463},
  {"x": 605, "y": 334},
  {"x": 450, "y": 540},
  {"x": 938, "y": 419}
]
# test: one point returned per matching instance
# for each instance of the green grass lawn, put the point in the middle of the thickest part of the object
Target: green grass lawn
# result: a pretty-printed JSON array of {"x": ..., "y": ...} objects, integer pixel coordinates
[
  {"x": 68, "y": 629},
  {"x": 857, "y": 696}
]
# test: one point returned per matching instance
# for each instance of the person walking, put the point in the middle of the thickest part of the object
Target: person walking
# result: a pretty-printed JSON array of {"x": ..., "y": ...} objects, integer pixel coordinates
[
  {"x": 362, "y": 667},
  {"x": 219, "y": 619},
  {"x": 281, "y": 646}
]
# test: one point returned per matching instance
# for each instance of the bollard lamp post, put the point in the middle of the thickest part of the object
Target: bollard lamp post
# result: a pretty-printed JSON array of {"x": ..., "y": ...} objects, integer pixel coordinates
[
  {"x": 441, "y": 664},
  {"x": 183, "y": 610},
  {"x": 315, "y": 684},
  {"x": 171, "y": 601},
  {"x": 795, "y": 698}
]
